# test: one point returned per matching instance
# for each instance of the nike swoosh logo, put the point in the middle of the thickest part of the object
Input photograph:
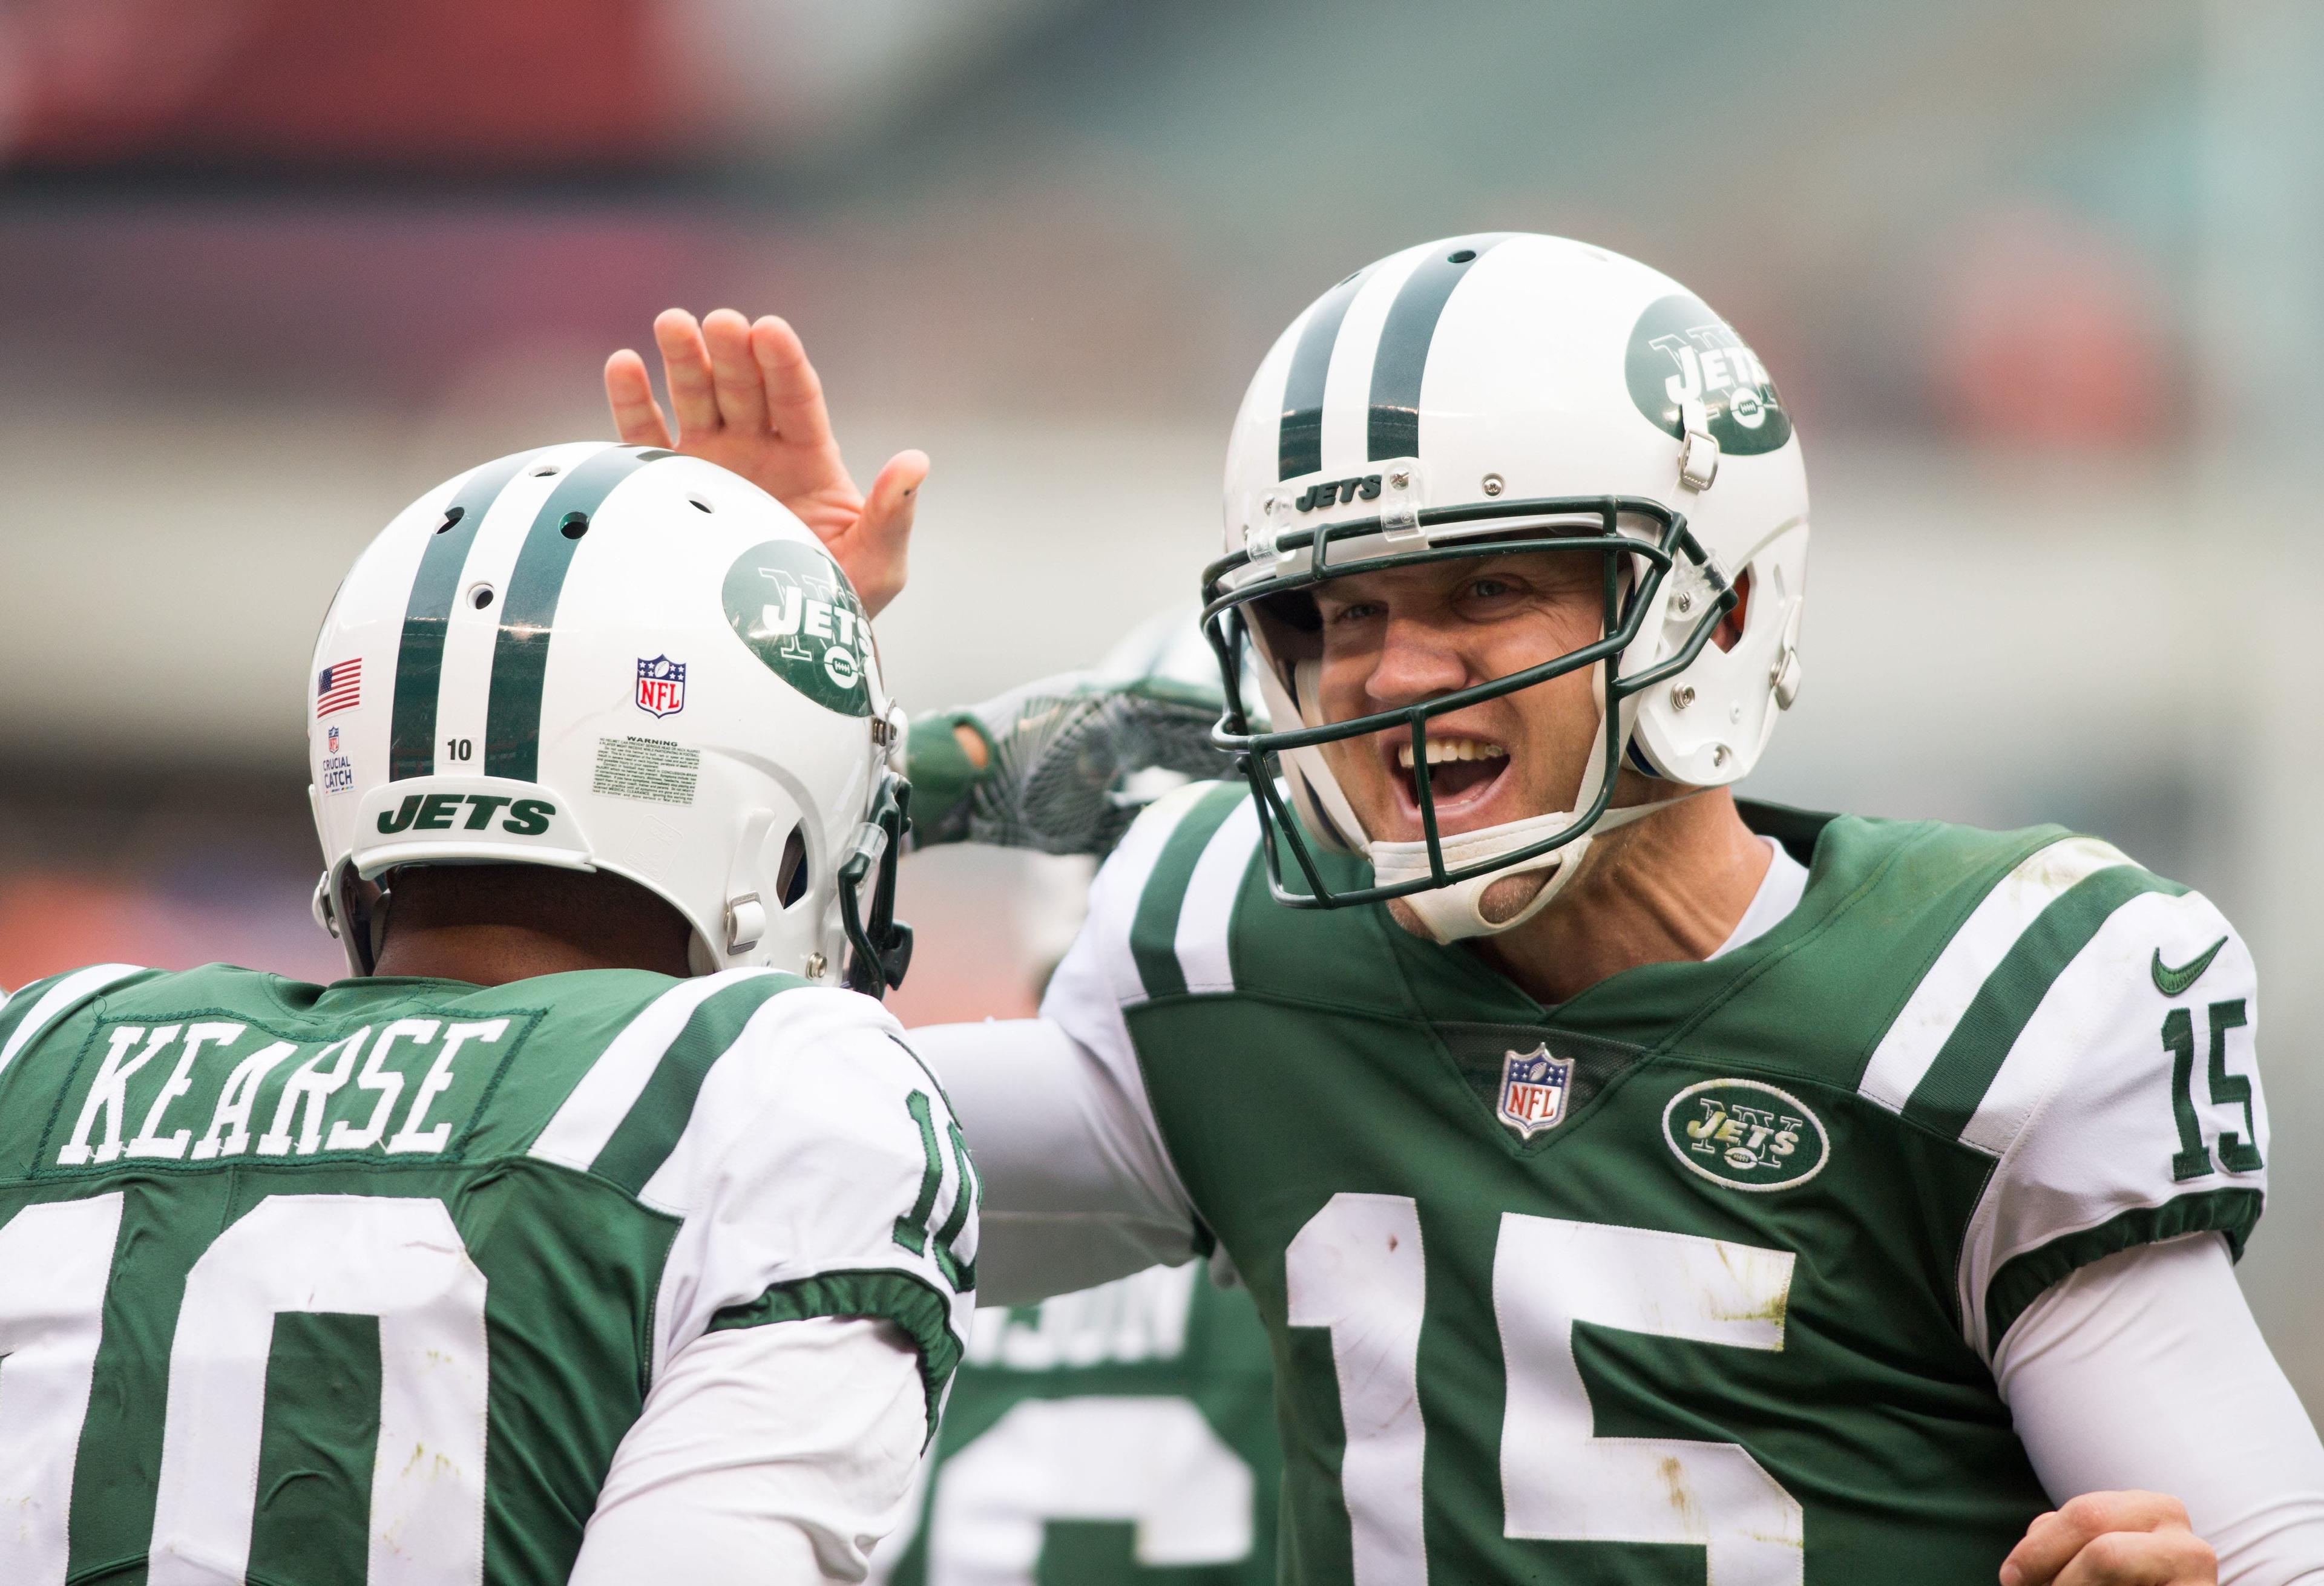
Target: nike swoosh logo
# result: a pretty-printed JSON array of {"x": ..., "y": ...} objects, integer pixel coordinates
[{"x": 2170, "y": 982}]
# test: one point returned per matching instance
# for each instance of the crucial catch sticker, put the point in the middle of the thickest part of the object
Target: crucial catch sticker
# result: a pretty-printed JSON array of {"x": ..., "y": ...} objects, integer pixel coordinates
[
  {"x": 336, "y": 768},
  {"x": 1745, "y": 1135}
]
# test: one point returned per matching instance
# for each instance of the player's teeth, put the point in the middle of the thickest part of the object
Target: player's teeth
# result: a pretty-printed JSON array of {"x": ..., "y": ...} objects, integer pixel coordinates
[{"x": 1441, "y": 750}]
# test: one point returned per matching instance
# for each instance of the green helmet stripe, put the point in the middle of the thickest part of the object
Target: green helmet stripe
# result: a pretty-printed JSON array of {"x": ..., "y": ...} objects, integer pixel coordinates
[
  {"x": 1299, "y": 438},
  {"x": 419, "y": 659},
  {"x": 1393, "y": 429},
  {"x": 529, "y": 609},
  {"x": 1965, "y": 1066},
  {"x": 1154, "y": 930}
]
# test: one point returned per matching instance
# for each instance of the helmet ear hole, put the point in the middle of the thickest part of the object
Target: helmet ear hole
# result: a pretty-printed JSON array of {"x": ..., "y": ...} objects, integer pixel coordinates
[{"x": 790, "y": 874}]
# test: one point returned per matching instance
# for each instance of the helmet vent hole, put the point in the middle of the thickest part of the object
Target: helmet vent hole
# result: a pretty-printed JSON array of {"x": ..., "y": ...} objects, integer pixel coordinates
[
  {"x": 451, "y": 516},
  {"x": 574, "y": 525},
  {"x": 790, "y": 875},
  {"x": 1463, "y": 256},
  {"x": 546, "y": 471},
  {"x": 699, "y": 506},
  {"x": 480, "y": 595}
]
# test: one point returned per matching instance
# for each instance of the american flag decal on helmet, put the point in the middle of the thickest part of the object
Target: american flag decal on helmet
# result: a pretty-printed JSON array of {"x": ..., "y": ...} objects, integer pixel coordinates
[{"x": 338, "y": 686}]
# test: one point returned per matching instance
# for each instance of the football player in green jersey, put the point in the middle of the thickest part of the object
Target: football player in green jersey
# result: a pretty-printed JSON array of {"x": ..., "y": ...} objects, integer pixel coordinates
[
  {"x": 593, "y": 1230},
  {"x": 1637, "y": 1184},
  {"x": 1145, "y": 1406},
  {"x": 1100, "y": 1437}
]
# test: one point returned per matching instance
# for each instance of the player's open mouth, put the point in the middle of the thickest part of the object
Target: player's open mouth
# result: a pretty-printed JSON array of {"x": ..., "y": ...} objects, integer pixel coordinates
[{"x": 1461, "y": 772}]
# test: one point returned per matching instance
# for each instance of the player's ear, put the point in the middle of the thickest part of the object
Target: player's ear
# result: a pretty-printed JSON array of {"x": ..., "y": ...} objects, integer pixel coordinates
[{"x": 1730, "y": 626}]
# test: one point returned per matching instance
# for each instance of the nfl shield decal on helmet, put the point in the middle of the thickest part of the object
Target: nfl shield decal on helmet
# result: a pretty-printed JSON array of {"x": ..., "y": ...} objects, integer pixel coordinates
[
  {"x": 661, "y": 686},
  {"x": 1534, "y": 1087}
]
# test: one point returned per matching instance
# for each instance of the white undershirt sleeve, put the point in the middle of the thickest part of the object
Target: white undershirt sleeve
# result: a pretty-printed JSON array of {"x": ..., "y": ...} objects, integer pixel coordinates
[
  {"x": 765, "y": 1456},
  {"x": 2145, "y": 1371},
  {"x": 1076, "y": 1189}
]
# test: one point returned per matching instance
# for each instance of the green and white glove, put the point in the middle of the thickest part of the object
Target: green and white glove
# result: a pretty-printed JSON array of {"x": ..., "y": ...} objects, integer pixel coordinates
[{"x": 1069, "y": 761}]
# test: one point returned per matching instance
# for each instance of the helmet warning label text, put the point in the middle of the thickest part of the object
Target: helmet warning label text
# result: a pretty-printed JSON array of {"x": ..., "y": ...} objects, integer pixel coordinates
[{"x": 652, "y": 768}]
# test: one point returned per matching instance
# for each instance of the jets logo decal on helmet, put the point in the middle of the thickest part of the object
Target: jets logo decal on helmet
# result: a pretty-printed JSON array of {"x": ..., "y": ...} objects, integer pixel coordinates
[
  {"x": 1681, "y": 352},
  {"x": 791, "y": 605}
]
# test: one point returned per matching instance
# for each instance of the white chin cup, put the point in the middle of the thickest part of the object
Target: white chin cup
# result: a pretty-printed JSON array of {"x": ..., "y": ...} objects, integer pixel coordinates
[{"x": 1455, "y": 912}]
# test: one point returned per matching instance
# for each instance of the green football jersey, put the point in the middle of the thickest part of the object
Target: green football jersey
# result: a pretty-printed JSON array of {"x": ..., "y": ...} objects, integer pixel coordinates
[
  {"x": 1123, "y": 1435},
  {"x": 1698, "y": 1276},
  {"x": 310, "y": 1285}
]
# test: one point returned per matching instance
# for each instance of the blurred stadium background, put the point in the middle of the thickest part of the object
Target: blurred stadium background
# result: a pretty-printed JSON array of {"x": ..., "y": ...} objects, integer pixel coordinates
[{"x": 2043, "y": 284}]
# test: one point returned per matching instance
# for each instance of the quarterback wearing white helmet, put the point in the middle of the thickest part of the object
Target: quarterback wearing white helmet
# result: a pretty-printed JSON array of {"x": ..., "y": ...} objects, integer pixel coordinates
[
  {"x": 592, "y": 1232},
  {"x": 1637, "y": 1185},
  {"x": 1551, "y": 385}
]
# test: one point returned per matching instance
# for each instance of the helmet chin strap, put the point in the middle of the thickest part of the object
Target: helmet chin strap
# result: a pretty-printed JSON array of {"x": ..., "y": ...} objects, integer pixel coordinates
[{"x": 1456, "y": 912}]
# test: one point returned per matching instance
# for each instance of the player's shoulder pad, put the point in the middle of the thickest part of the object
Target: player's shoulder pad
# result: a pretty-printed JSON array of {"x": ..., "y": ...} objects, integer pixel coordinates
[
  {"x": 2089, "y": 1025},
  {"x": 39, "y": 1008},
  {"x": 2001, "y": 944},
  {"x": 689, "y": 1075},
  {"x": 1161, "y": 907}
]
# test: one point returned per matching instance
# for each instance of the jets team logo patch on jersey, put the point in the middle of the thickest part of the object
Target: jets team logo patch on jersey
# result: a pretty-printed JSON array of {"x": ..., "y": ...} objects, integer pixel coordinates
[
  {"x": 1534, "y": 1088},
  {"x": 1745, "y": 1135},
  {"x": 661, "y": 686}
]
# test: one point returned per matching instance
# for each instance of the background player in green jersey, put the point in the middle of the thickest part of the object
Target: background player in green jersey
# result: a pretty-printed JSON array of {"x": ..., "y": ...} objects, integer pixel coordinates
[
  {"x": 592, "y": 1230},
  {"x": 1638, "y": 1186},
  {"x": 1125, "y": 1433}
]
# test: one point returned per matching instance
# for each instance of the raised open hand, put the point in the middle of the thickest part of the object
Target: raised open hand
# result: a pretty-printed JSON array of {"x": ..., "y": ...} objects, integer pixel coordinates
[{"x": 748, "y": 400}]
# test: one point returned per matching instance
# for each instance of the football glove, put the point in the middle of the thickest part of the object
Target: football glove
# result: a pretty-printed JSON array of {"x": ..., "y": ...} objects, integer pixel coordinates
[{"x": 1069, "y": 760}]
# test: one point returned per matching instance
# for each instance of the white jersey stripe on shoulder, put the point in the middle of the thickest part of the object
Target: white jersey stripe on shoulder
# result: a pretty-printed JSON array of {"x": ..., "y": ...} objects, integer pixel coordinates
[
  {"x": 60, "y": 999},
  {"x": 1203, "y": 917},
  {"x": 605, "y": 1094},
  {"x": 728, "y": 1102},
  {"x": 1919, "y": 1031},
  {"x": 2078, "y": 1114},
  {"x": 1113, "y": 902},
  {"x": 2110, "y": 971}
]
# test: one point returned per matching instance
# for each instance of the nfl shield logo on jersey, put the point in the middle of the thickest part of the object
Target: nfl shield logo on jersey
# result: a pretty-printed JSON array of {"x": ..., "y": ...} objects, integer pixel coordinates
[
  {"x": 1533, "y": 1090},
  {"x": 661, "y": 686}
]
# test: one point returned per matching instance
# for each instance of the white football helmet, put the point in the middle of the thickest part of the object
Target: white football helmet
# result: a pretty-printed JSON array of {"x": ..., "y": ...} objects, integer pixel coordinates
[
  {"x": 599, "y": 657},
  {"x": 1541, "y": 394}
]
